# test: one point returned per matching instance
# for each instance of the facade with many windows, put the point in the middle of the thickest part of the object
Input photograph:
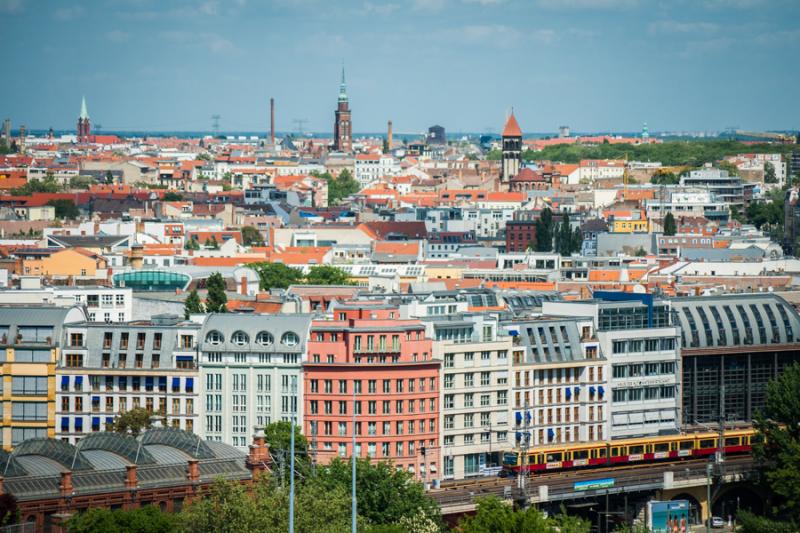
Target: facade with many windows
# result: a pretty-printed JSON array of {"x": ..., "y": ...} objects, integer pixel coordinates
[
  {"x": 107, "y": 369},
  {"x": 250, "y": 373},
  {"x": 559, "y": 381},
  {"x": 373, "y": 375},
  {"x": 733, "y": 345},
  {"x": 474, "y": 392},
  {"x": 32, "y": 339},
  {"x": 641, "y": 346}
]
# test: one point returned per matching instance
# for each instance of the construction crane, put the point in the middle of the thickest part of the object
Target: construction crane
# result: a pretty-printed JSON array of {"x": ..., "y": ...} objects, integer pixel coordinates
[{"x": 779, "y": 137}]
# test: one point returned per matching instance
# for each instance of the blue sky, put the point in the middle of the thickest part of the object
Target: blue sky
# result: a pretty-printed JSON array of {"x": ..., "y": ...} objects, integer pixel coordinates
[{"x": 595, "y": 65}]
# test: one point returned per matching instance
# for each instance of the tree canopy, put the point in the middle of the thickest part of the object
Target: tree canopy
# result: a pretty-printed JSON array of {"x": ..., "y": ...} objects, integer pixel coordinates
[
  {"x": 280, "y": 276},
  {"x": 251, "y": 236},
  {"x": 670, "y": 227},
  {"x": 279, "y": 437},
  {"x": 192, "y": 304},
  {"x": 671, "y": 153},
  {"x": 65, "y": 209},
  {"x": 496, "y": 516},
  {"x": 216, "y": 299},
  {"x": 779, "y": 451},
  {"x": 341, "y": 186},
  {"x": 544, "y": 231},
  {"x": 49, "y": 184},
  {"x": 327, "y": 275},
  {"x": 147, "y": 519},
  {"x": 133, "y": 422}
]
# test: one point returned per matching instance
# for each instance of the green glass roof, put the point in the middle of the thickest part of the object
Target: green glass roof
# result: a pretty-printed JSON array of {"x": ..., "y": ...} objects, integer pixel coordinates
[{"x": 152, "y": 280}]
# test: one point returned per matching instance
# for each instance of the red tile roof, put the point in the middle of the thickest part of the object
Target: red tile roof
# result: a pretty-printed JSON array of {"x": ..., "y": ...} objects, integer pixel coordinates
[{"x": 512, "y": 127}]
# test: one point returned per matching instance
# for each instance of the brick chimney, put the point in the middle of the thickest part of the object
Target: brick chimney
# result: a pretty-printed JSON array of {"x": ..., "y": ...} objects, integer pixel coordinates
[
  {"x": 258, "y": 456},
  {"x": 130, "y": 477},
  {"x": 66, "y": 484},
  {"x": 194, "y": 471}
]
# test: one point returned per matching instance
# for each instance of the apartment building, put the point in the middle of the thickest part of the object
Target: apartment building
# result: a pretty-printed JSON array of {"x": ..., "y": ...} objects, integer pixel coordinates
[
  {"x": 103, "y": 304},
  {"x": 107, "y": 369},
  {"x": 250, "y": 373},
  {"x": 372, "y": 374},
  {"x": 636, "y": 336},
  {"x": 474, "y": 392},
  {"x": 559, "y": 382},
  {"x": 32, "y": 337}
]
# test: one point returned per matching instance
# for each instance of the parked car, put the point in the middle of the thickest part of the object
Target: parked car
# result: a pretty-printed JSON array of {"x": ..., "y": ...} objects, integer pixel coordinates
[{"x": 717, "y": 522}]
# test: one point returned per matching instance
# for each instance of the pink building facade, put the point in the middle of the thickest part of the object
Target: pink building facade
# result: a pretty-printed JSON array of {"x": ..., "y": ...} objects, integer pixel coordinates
[{"x": 368, "y": 362}]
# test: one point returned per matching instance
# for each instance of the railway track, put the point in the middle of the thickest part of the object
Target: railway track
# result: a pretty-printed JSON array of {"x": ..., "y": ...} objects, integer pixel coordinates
[{"x": 463, "y": 491}]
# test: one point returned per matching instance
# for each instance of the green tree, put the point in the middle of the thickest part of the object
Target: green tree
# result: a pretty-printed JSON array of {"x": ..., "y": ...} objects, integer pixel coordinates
[
  {"x": 133, "y": 422},
  {"x": 779, "y": 451},
  {"x": 749, "y": 523},
  {"x": 225, "y": 508},
  {"x": 216, "y": 299},
  {"x": 577, "y": 240},
  {"x": 147, "y": 519},
  {"x": 769, "y": 173},
  {"x": 172, "y": 196},
  {"x": 191, "y": 244},
  {"x": 496, "y": 516},
  {"x": 109, "y": 177},
  {"x": 192, "y": 304},
  {"x": 251, "y": 236},
  {"x": 65, "y": 209},
  {"x": 494, "y": 155},
  {"x": 9, "y": 511},
  {"x": 276, "y": 275},
  {"x": 670, "y": 227},
  {"x": 278, "y": 435},
  {"x": 664, "y": 177},
  {"x": 4, "y": 148},
  {"x": 544, "y": 231},
  {"x": 341, "y": 186},
  {"x": 211, "y": 243},
  {"x": 48, "y": 185},
  {"x": 81, "y": 182},
  {"x": 641, "y": 252},
  {"x": 732, "y": 169},
  {"x": 385, "y": 494},
  {"x": 327, "y": 275}
]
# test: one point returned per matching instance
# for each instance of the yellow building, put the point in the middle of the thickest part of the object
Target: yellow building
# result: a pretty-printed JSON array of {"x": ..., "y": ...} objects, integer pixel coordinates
[
  {"x": 630, "y": 226},
  {"x": 31, "y": 339},
  {"x": 54, "y": 262}
]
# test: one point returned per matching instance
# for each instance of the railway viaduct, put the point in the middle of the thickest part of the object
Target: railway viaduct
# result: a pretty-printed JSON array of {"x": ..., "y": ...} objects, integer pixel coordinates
[{"x": 617, "y": 494}]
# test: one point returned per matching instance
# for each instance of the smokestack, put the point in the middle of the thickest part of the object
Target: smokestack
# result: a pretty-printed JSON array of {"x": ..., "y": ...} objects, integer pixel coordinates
[
  {"x": 389, "y": 136},
  {"x": 272, "y": 120}
]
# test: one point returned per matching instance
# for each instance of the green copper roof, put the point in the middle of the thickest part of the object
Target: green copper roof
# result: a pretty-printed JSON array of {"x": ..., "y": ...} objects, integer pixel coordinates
[
  {"x": 84, "y": 112},
  {"x": 343, "y": 88}
]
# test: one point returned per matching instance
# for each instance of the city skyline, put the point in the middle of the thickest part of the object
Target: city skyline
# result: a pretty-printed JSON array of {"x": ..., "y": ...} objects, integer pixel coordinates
[{"x": 460, "y": 63}]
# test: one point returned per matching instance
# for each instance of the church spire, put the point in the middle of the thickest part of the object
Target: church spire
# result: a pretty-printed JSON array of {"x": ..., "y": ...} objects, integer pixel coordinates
[
  {"x": 84, "y": 113},
  {"x": 343, "y": 88}
]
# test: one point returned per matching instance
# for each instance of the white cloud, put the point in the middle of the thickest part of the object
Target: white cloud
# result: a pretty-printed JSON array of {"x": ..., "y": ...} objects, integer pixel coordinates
[
  {"x": 781, "y": 38},
  {"x": 211, "y": 41},
  {"x": 379, "y": 8},
  {"x": 69, "y": 13},
  {"x": 485, "y": 2},
  {"x": 118, "y": 36},
  {"x": 694, "y": 49},
  {"x": 210, "y": 7},
  {"x": 428, "y": 5},
  {"x": 11, "y": 6},
  {"x": 737, "y": 4},
  {"x": 675, "y": 26},
  {"x": 497, "y": 35},
  {"x": 587, "y": 4}
]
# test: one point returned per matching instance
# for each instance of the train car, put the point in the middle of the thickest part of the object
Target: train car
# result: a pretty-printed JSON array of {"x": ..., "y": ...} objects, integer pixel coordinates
[{"x": 627, "y": 451}]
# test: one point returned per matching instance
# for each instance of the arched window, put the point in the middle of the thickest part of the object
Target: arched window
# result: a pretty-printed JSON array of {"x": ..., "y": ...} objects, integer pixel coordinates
[
  {"x": 290, "y": 338},
  {"x": 265, "y": 338},
  {"x": 240, "y": 338},
  {"x": 215, "y": 338}
]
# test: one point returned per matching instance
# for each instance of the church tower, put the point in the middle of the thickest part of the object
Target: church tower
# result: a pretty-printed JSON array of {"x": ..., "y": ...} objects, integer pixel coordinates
[
  {"x": 342, "y": 127},
  {"x": 512, "y": 149},
  {"x": 84, "y": 124}
]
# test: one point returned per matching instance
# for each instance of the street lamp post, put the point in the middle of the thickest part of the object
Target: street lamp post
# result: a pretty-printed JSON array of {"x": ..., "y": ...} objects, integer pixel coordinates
[
  {"x": 709, "y": 468},
  {"x": 489, "y": 427}
]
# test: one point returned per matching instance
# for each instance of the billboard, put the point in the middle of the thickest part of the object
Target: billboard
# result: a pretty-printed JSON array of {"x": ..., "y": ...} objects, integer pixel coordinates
[
  {"x": 668, "y": 517},
  {"x": 594, "y": 484}
]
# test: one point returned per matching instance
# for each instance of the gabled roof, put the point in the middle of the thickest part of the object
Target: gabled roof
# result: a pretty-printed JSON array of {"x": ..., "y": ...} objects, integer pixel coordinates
[{"x": 512, "y": 128}]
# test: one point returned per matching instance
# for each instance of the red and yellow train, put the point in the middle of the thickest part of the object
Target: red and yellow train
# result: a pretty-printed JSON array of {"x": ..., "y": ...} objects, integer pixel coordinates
[{"x": 626, "y": 451}]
